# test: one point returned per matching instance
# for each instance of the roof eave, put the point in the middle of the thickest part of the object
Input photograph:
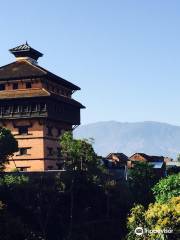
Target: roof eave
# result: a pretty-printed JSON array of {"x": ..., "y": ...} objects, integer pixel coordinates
[{"x": 62, "y": 81}]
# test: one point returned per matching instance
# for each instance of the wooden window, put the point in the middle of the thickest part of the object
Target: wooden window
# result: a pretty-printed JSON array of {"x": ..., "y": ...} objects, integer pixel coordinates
[
  {"x": 2, "y": 87},
  {"x": 50, "y": 151},
  {"x": 16, "y": 108},
  {"x": 23, "y": 151},
  {"x": 42, "y": 107},
  {"x": 49, "y": 133},
  {"x": 15, "y": 85},
  {"x": 28, "y": 85},
  {"x": 25, "y": 108},
  {"x": 34, "y": 107},
  {"x": 23, "y": 130},
  {"x": 7, "y": 109}
]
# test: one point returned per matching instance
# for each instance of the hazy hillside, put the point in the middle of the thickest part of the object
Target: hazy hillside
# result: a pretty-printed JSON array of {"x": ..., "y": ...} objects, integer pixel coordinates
[{"x": 149, "y": 137}]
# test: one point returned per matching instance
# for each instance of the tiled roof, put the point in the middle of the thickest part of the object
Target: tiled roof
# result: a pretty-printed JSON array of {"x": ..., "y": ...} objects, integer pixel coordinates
[
  {"x": 24, "y": 69},
  {"x": 19, "y": 70},
  {"x": 26, "y": 93},
  {"x": 149, "y": 158},
  {"x": 31, "y": 93},
  {"x": 67, "y": 100},
  {"x": 120, "y": 156}
]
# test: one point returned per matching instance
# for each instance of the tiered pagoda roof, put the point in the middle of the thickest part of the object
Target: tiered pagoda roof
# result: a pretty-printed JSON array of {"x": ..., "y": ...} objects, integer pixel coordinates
[
  {"x": 26, "y": 70},
  {"x": 25, "y": 50},
  {"x": 34, "y": 93}
]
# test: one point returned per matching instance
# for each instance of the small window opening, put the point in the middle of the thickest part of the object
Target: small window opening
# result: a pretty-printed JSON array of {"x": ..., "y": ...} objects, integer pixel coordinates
[{"x": 23, "y": 130}]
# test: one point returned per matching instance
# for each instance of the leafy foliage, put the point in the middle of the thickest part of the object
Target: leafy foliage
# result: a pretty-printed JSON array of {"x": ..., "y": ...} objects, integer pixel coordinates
[
  {"x": 167, "y": 188},
  {"x": 164, "y": 215},
  {"x": 136, "y": 219},
  {"x": 12, "y": 180},
  {"x": 141, "y": 180},
  {"x": 159, "y": 216},
  {"x": 8, "y": 145},
  {"x": 77, "y": 154}
]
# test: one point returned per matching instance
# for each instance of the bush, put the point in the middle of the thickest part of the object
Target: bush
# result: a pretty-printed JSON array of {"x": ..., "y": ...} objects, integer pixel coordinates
[
  {"x": 159, "y": 216},
  {"x": 167, "y": 188}
]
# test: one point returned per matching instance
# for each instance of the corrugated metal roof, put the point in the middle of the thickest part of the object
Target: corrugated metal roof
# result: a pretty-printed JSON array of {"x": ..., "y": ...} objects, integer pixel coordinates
[
  {"x": 21, "y": 47},
  {"x": 25, "y": 50},
  {"x": 156, "y": 164}
]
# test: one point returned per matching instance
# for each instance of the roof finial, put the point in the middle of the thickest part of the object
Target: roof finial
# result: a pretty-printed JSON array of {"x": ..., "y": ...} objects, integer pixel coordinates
[{"x": 25, "y": 51}]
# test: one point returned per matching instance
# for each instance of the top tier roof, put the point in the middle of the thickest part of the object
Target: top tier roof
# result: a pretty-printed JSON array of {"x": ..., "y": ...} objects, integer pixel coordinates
[
  {"x": 25, "y": 50},
  {"x": 26, "y": 68}
]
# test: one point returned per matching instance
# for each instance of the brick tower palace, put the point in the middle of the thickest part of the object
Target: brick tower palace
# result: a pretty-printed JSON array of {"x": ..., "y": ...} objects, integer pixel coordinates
[{"x": 37, "y": 106}]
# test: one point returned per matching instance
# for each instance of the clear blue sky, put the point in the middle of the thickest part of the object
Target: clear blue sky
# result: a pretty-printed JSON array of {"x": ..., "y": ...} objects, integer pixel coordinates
[{"x": 125, "y": 55}]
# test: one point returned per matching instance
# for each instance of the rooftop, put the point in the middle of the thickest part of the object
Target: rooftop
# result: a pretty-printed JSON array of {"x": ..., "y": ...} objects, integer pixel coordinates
[
  {"x": 29, "y": 93},
  {"x": 26, "y": 70},
  {"x": 25, "y": 50},
  {"x": 149, "y": 158},
  {"x": 120, "y": 156}
]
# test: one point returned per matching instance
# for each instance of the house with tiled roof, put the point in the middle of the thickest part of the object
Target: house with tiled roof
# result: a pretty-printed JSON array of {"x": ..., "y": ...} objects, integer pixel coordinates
[
  {"x": 157, "y": 162},
  {"x": 117, "y": 165}
]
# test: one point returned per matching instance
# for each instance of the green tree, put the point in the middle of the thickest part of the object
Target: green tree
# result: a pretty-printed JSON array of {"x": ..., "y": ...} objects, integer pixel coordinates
[
  {"x": 77, "y": 154},
  {"x": 167, "y": 188},
  {"x": 94, "y": 194},
  {"x": 141, "y": 179},
  {"x": 8, "y": 146}
]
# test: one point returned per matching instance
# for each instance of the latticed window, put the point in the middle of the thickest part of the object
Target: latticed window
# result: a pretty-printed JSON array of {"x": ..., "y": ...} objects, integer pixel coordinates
[
  {"x": 25, "y": 108},
  {"x": 42, "y": 107},
  {"x": 7, "y": 109},
  {"x": 16, "y": 108},
  {"x": 49, "y": 131},
  {"x": 34, "y": 107}
]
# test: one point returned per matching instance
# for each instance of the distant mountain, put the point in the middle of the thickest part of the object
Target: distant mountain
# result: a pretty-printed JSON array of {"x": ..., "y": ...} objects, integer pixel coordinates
[{"x": 149, "y": 137}]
